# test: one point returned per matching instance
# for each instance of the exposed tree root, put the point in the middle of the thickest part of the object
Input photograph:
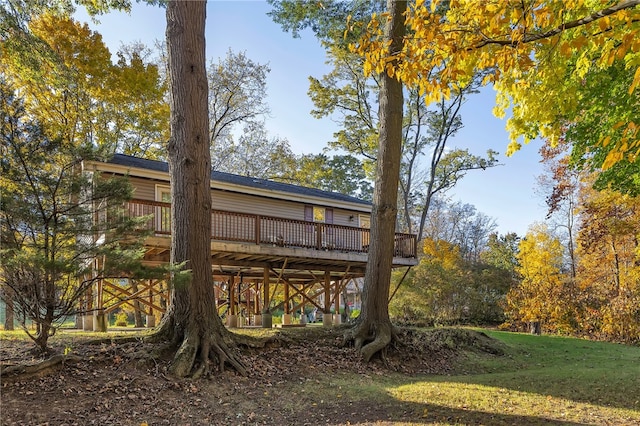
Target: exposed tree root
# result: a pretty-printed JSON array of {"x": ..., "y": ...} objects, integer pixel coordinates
[
  {"x": 198, "y": 348},
  {"x": 370, "y": 338},
  {"x": 40, "y": 369}
]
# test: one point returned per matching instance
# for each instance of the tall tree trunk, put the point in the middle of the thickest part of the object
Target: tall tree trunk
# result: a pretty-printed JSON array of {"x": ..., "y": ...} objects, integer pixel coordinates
[
  {"x": 192, "y": 322},
  {"x": 373, "y": 330}
]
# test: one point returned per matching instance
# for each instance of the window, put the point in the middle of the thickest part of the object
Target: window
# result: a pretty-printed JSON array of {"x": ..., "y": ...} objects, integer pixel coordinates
[{"x": 318, "y": 214}]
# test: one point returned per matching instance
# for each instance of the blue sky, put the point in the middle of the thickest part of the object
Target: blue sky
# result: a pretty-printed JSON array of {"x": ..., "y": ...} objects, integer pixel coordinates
[{"x": 505, "y": 193}]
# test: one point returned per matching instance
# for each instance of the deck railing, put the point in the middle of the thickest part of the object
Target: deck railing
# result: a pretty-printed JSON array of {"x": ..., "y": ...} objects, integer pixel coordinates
[{"x": 269, "y": 230}]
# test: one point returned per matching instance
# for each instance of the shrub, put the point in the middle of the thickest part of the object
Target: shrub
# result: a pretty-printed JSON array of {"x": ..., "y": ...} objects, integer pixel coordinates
[{"x": 122, "y": 319}]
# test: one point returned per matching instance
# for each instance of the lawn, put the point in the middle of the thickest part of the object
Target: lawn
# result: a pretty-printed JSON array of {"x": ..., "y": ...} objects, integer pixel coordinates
[
  {"x": 538, "y": 380},
  {"x": 308, "y": 379}
]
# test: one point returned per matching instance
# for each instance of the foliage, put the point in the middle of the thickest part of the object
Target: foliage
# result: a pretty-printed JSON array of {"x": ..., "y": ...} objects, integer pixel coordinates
[
  {"x": 447, "y": 288},
  {"x": 338, "y": 173},
  {"x": 593, "y": 144},
  {"x": 254, "y": 154},
  {"x": 64, "y": 72},
  {"x": 237, "y": 90},
  {"x": 350, "y": 97},
  {"x": 122, "y": 319},
  {"x": 142, "y": 114},
  {"x": 50, "y": 241},
  {"x": 538, "y": 55},
  {"x": 537, "y": 296},
  {"x": 560, "y": 183},
  {"x": 608, "y": 275},
  {"x": 325, "y": 19}
]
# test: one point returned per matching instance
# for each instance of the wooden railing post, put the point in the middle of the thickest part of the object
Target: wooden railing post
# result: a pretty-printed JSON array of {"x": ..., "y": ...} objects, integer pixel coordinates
[
  {"x": 232, "y": 226},
  {"x": 258, "y": 221},
  {"x": 318, "y": 236}
]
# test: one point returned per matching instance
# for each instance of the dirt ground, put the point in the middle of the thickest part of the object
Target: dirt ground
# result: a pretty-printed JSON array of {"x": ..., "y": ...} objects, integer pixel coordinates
[{"x": 290, "y": 382}]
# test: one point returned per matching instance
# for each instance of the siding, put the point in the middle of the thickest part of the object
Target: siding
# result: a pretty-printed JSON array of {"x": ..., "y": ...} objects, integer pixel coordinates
[{"x": 145, "y": 189}]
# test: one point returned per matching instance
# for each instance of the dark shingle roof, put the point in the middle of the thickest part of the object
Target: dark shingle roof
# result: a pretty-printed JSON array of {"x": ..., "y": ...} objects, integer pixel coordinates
[{"x": 161, "y": 166}]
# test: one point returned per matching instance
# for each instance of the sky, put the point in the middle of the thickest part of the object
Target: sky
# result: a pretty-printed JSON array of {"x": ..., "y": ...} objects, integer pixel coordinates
[{"x": 505, "y": 193}]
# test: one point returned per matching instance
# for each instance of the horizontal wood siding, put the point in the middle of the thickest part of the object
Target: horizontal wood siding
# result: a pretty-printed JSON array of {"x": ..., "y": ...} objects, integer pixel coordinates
[
  {"x": 250, "y": 204},
  {"x": 145, "y": 189}
]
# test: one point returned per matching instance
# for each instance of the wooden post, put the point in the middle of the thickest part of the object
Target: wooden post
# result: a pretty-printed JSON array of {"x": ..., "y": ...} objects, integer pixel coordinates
[
  {"x": 151, "y": 319},
  {"x": 100, "y": 320},
  {"x": 286, "y": 317},
  {"x": 327, "y": 318},
  {"x": 233, "y": 318},
  {"x": 266, "y": 314},
  {"x": 87, "y": 320},
  {"x": 256, "y": 298},
  {"x": 337, "y": 319}
]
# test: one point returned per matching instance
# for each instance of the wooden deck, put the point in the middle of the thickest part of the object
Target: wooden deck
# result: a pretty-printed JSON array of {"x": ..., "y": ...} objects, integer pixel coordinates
[
  {"x": 239, "y": 239},
  {"x": 255, "y": 260}
]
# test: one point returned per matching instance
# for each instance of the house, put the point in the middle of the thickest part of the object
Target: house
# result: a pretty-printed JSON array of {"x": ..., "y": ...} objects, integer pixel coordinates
[{"x": 267, "y": 238}]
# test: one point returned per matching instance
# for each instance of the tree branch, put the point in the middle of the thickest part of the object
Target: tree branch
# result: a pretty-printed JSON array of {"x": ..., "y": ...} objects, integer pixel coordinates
[{"x": 528, "y": 38}]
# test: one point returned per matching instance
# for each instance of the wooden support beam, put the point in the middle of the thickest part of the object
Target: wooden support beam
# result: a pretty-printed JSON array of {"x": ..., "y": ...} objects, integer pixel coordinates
[
  {"x": 118, "y": 292},
  {"x": 327, "y": 292},
  {"x": 232, "y": 295},
  {"x": 265, "y": 291}
]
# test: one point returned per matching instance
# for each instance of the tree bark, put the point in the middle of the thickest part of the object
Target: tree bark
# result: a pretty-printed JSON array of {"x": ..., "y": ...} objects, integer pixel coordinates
[
  {"x": 373, "y": 330},
  {"x": 192, "y": 322}
]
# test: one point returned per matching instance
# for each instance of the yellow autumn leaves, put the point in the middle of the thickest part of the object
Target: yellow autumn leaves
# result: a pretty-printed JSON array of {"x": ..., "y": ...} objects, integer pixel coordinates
[{"x": 536, "y": 53}]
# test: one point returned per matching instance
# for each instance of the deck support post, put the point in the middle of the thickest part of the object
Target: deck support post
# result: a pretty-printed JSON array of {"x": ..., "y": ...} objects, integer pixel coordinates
[
  {"x": 151, "y": 319},
  {"x": 337, "y": 318},
  {"x": 87, "y": 318},
  {"x": 100, "y": 321},
  {"x": 327, "y": 318},
  {"x": 266, "y": 314},
  {"x": 232, "y": 318},
  {"x": 287, "y": 304}
]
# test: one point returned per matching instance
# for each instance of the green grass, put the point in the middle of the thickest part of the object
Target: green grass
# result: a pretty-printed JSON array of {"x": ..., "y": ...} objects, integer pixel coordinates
[{"x": 539, "y": 380}]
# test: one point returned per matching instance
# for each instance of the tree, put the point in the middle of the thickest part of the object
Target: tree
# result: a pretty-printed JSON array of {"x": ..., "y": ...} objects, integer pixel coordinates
[
  {"x": 538, "y": 298},
  {"x": 191, "y": 321},
  {"x": 142, "y": 115},
  {"x": 608, "y": 273},
  {"x": 446, "y": 170},
  {"x": 373, "y": 330},
  {"x": 237, "y": 90},
  {"x": 49, "y": 239},
  {"x": 448, "y": 287},
  {"x": 587, "y": 136},
  {"x": 349, "y": 95},
  {"x": 537, "y": 54},
  {"x": 254, "y": 154},
  {"x": 338, "y": 173},
  {"x": 63, "y": 77},
  {"x": 562, "y": 183},
  {"x": 68, "y": 81}
]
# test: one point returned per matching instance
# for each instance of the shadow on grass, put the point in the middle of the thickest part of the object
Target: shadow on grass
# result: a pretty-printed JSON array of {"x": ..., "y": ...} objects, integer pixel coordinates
[
  {"x": 597, "y": 373},
  {"x": 383, "y": 408}
]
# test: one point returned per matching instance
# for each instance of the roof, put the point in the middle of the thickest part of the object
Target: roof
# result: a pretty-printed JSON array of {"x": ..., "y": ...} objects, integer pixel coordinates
[{"x": 216, "y": 176}]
